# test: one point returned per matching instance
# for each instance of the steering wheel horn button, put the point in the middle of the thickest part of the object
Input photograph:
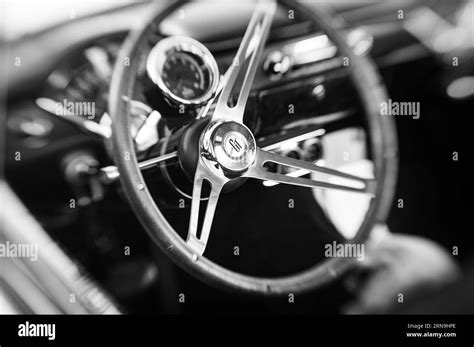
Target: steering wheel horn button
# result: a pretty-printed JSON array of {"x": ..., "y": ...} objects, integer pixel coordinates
[{"x": 233, "y": 146}]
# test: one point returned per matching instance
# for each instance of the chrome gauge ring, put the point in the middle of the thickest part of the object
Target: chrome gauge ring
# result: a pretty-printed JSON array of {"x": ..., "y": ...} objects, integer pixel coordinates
[{"x": 184, "y": 70}]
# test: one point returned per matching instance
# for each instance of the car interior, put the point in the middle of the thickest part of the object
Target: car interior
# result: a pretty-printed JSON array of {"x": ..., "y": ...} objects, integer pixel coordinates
[{"x": 183, "y": 157}]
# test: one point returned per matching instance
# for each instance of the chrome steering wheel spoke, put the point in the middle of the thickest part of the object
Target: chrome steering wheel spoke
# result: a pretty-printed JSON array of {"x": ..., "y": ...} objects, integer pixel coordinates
[
  {"x": 351, "y": 183},
  {"x": 197, "y": 241},
  {"x": 245, "y": 63}
]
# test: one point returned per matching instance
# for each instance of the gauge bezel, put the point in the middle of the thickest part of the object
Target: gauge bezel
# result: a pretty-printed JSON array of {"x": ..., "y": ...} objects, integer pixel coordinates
[{"x": 172, "y": 44}]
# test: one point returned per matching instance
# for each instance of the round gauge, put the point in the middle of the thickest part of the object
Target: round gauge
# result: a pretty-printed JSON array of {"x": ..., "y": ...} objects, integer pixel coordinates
[{"x": 184, "y": 70}]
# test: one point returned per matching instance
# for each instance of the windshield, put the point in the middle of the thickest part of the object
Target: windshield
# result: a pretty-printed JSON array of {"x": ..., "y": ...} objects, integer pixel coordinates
[{"x": 23, "y": 17}]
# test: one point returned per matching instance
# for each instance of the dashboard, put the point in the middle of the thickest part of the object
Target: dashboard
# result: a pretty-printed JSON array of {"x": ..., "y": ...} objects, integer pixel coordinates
[
  {"x": 81, "y": 69},
  {"x": 177, "y": 75}
]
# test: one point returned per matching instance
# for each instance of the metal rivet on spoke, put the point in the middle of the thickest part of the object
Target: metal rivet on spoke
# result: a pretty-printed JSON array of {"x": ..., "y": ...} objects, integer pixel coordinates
[
  {"x": 195, "y": 257},
  {"x": 141, "y": 186}
]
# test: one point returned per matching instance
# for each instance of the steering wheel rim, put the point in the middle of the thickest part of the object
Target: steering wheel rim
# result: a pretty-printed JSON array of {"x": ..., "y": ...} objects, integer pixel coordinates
[{"x": 371, "y": 91}]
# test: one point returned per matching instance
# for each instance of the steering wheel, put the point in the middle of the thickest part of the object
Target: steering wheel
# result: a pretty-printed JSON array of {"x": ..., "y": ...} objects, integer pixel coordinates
[{"x": 221, "y": 150}]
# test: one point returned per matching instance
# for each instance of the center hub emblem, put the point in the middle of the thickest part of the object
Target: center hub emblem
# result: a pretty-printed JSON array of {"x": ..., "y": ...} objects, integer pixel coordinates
[{"x": 234, "y": 147}]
